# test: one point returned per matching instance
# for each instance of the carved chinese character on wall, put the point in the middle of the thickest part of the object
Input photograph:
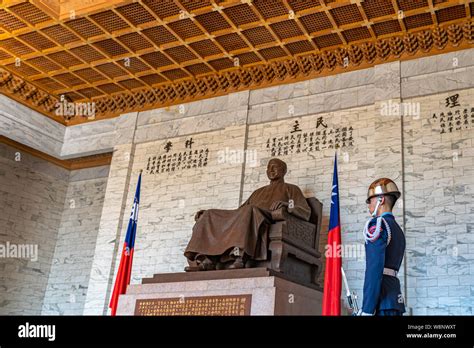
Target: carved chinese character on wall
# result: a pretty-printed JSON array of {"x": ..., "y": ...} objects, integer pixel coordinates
[
  {"x": 169, "y": 162},
  {"x": 455, "y": 117},
  {"x": 322, "y": 137}
]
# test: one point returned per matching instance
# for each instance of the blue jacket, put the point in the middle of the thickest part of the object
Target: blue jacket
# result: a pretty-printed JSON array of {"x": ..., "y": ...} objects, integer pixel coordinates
[{"x": 382, "y": 292}]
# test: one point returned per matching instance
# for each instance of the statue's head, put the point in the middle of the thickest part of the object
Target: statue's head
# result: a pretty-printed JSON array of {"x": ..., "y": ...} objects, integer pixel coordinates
[{"x": 276, "y": 169}]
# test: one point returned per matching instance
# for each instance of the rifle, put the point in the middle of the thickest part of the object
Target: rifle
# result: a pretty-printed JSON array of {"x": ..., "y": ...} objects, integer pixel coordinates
[{"x": 351, "y": 297}]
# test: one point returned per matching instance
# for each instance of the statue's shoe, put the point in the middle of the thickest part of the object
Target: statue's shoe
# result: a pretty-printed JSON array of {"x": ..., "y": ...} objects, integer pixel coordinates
[
  {"x": 192, "y": 268},
  {"x": 207, "y": 266},
  {"x": 238, "y": 263},
  {"x": 204, "y": 266}
]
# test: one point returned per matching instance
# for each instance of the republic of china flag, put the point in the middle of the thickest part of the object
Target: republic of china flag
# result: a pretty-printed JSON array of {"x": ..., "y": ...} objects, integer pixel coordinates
[
  {"x": 332, "y": 276},
  {"x": 125, "y": 268}
]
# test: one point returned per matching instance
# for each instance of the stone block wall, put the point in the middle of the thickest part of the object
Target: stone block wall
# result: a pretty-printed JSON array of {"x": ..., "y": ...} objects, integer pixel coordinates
[
  {"x": 75, "y": 244},
  {"x": 439, "y": 208},
  {"x": 32, "y": 195}
]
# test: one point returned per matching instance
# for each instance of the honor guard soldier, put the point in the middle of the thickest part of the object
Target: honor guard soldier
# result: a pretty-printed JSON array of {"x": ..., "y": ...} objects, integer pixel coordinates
[{"x": 384, "y": 250}]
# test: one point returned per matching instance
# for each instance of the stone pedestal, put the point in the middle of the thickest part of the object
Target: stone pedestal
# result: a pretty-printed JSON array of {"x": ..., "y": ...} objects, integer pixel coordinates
[{"x": 271, "y": 293}]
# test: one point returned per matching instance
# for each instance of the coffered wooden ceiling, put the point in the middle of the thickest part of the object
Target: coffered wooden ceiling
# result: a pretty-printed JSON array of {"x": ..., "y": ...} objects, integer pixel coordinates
[{"x": 136, "y": 55}]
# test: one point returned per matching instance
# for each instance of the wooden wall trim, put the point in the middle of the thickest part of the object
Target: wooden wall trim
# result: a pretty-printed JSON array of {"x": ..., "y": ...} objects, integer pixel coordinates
[{"x": 70, "y": 164}]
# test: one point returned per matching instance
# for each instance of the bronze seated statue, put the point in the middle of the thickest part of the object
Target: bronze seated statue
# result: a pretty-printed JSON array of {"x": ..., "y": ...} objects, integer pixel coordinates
[{"x": 277, "y": 228}]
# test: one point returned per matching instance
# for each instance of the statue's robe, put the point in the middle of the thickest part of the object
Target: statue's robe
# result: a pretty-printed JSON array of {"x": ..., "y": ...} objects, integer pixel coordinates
[{"x": 217, "y": 230}]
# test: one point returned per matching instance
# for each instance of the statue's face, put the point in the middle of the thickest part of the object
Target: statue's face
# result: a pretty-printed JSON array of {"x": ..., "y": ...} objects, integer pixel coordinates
[{"x": 275, "y": 170}]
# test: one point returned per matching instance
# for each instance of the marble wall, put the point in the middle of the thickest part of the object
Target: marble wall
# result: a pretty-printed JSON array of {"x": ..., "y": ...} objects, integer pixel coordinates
[
  {"x": 32, "y": 194},
  {"x": 75, "y": 243},
  {"x": 56, "y": 213},
  {"x": 439, "y": 208}
]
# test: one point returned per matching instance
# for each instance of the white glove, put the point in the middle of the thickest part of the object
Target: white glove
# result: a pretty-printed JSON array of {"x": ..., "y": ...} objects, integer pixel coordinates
[{"x": 363, "y": 314}]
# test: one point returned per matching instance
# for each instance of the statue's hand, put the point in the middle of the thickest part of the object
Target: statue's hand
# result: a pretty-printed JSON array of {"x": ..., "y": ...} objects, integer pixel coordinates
[
  {"x": 198, "y": 215},
  {"x": 278, "y": 204}
]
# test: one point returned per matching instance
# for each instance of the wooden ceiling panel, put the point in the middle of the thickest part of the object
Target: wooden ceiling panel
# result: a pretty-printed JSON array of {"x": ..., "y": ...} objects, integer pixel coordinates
[
  {"x": 327, "y": 40},
  {"x": 259, "y": 36},
  {"x": 64, "y": 58},
  {"x": 299, "y": 5},
  {"x": 156, "y": 59},
  {"x": 37, "y": 41},
  {"x": 60, "y": 34},
  {"x": 10, "y": 22},
  {"x": 111, "y": 48},
  {"x": 241, "y": 14},
  {"x": 85, "y": 28},
  {"x": 87, "y": 53},
  {"x": 152, "y": 79},
  {"x": 136, "y": 13},
  {"x": 49, "y": 84},
  {"x": 135, "y": 42},
  {"x": 44, "y": 64},
  {"x": 346, "y": 14},
  {"x": 15, "y": 47},
  {"x": 231, "y": 42},
  {"x": 110, "y": 21},
  {"x": 163, "y": 9},
  {"x": 378, "y": 8},
  {"x": 316, "y": 22},
  {"x": 30, "y": 13},
  {"x": 145, "y": 53},
  {"x": 286, "y": 29},
  {"x": 4, "y": 55},
  {"x": 205, "y": 48},
  {"x": 212, "y": 22},
  {"x": 451, "y": 13},
  {"x": 299, "y": 47},
  {"x": 272, "y": 53},
  {"x": 418, "y": 20},
  {"x": 90, "y": 75},
  {"x": 180, "y": 54},
  {"x": 185, "y": 29},
  {"x": 386, "y": 27},
  {"x": 134, "y": 65},
  {"x": 248, "y": 58},
  {"x": 175, "y": 74},
  {"x": 111, "y": 70},
  {"x": 356, "y": 34},
  {"x": 159, "y": 35},
  {"x": 222, "y": 63},
  {"x": 407, "y": 5},
  {"x": 270, "y": 9},
  {"x": 198, "y": 69},
  {"x": 22, "y": 69}
]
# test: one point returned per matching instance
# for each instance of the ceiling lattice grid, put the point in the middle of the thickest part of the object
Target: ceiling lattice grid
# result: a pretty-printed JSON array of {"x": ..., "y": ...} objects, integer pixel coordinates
[{"x": 129, "y": 55}]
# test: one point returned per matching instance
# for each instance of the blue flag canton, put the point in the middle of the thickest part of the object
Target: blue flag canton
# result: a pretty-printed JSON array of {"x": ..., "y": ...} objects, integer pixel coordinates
[{"x": 334, "y": 216}]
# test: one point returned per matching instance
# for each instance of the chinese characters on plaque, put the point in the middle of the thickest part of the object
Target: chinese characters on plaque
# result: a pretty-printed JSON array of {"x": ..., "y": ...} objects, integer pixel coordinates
[
  {"x": 320, "y": 138},
  {"x": 176, "y": 161},
  {"x": 456, "y": 117},
  {"x": 232, "y": 305}
]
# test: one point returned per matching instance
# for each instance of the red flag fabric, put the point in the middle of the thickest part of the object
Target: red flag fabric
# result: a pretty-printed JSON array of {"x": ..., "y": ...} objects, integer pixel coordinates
[{"x": 332, "y": 276}]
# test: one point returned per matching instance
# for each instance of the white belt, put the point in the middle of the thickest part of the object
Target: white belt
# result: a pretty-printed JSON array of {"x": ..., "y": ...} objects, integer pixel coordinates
[{"x": 390, "y": 272}]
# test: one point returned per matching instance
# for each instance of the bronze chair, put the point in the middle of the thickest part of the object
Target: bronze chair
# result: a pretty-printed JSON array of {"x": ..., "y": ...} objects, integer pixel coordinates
[{"x": 294, "y": 245}]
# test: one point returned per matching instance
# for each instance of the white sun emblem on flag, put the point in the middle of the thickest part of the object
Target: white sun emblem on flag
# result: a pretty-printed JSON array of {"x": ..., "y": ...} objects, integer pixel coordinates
[{"x": 333, "y": 193}]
